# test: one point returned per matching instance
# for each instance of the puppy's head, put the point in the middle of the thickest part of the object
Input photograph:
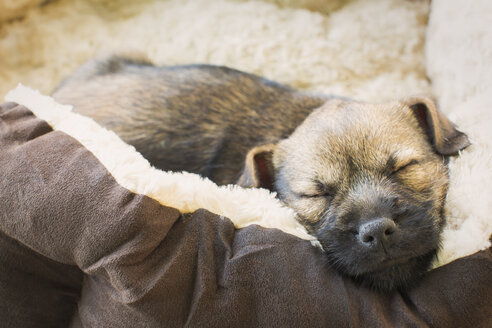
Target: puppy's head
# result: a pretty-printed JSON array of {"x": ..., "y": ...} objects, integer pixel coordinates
[{"x": 369, "y": 181}]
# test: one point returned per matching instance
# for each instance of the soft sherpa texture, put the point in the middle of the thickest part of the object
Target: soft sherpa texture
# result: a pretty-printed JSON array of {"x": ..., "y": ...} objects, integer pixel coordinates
[
  {"x": 459, "y": 50},
  {"x": 459, "y": 64},
  {"x": 369, "y": 50}
]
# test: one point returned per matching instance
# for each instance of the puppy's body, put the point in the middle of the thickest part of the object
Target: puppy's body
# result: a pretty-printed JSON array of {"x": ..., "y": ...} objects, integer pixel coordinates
[
  {"x": 198, "y": 118},
  {"x": 368, "y": 180}
]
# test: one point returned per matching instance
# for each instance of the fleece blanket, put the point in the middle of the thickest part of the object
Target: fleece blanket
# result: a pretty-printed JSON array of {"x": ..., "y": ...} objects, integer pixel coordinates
[{"x": 80, "y": 249}]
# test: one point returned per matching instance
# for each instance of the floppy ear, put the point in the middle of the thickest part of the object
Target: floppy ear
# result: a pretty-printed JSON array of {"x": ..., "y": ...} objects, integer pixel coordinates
[
  {"x": 442, "y": 133},
  {"x": 258, "y": 169}
]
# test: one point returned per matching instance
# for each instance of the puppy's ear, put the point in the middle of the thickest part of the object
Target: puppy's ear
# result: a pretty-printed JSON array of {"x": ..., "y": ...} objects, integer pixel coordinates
[
  {"x": 258, "y": 169},
  {"x": 442, "y": 133}
]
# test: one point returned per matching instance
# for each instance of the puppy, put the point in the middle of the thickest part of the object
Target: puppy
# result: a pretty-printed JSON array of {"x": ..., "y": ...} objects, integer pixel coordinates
[{"x": 368, "y": 180}]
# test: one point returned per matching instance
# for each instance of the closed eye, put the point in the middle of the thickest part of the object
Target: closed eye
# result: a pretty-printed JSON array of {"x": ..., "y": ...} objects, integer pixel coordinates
[
  {"x": 405, "y": 166},
  {"x": 322, "y": 191},
  {"x": 326, "y": 194}
]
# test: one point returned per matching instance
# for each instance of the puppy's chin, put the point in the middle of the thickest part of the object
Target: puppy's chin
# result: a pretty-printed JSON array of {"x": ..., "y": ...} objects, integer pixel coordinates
[
  {"x": 388, "y": 275},
  {"x": 397, "y": 275}
]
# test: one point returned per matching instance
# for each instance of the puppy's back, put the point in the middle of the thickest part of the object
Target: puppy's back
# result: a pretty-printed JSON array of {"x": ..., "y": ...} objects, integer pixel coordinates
[{"x": 198, "y": 118}]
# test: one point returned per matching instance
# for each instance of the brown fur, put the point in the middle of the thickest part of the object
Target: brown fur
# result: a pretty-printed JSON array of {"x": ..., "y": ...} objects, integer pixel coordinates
[
  {"x": 369, "y": 180},
  {"x": 197, "y": 118}
]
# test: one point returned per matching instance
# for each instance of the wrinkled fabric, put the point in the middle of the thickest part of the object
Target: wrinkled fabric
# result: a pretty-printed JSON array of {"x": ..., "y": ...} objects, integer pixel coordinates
[{"x": 77, "y": 249}]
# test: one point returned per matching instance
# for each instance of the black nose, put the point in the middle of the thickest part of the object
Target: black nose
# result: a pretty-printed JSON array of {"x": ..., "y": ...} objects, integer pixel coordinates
[{"x": 377, "y": 232}]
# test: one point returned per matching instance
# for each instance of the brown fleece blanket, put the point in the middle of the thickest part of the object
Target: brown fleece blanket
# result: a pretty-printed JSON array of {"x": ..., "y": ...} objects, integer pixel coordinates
[{"x": 77, "y": 249}]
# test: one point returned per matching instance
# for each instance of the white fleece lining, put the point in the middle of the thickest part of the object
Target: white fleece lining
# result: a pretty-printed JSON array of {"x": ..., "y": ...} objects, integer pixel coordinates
[{"x": 184, "y": 191}]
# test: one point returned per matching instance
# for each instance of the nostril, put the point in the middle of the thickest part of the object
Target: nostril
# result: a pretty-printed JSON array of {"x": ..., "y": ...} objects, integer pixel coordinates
[{"x": 367, "y": 239}]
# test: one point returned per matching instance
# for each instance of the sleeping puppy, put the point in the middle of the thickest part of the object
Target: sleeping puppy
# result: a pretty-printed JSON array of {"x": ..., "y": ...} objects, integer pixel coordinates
[{"x": 368, "y": 180}]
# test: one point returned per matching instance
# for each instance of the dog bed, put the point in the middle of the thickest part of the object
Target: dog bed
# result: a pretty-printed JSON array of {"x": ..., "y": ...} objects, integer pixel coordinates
[{"x": 93, "y": 236}]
